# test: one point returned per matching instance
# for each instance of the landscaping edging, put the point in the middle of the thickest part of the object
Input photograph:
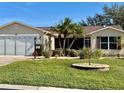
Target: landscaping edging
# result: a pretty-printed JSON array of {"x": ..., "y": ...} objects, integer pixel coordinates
[{"x": 93, "y": 66}]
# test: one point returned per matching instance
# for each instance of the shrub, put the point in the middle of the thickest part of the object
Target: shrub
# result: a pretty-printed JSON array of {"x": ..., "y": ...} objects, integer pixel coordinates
[
  {"x": 58, "y": 52},
  {"x": 74, "y": 53},
  {"x": 47, "y": 54},
  {"x": 87, "y": 52},
  {"x": 81, "y": 55},
  {"x": 97, "y": 54},
  {"x": 67, "y": 52},
  {"x": 118, "y": 55}
]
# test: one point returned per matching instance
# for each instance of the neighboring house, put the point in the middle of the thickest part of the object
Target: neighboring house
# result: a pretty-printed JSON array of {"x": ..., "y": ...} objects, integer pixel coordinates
[
  {"x": 110, "y": 39},
  {"x": 20, "y": 39}
]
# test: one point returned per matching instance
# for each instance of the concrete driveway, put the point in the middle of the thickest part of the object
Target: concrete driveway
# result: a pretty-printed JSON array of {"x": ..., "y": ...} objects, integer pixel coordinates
[{"x": 4, "y": 60}]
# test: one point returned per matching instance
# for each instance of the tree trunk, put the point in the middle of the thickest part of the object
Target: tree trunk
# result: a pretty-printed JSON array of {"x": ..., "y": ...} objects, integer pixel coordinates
[
  {"x": 60, "y": 44},
  {"x": 65, "y": 36},
  {"x": 60, "y": 41},
  {"x": 89, "y": 57},
  {"x": 64, "y": 44},
  {"x": 71, "y": 44}
]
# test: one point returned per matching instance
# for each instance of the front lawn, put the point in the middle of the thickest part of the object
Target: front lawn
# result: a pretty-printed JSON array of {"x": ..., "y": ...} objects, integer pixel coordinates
[{"x": 59, "y": 73}]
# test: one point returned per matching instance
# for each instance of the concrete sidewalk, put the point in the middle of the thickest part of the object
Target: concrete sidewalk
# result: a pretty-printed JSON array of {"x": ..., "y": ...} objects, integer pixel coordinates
[{"x": 23, "y": 87}]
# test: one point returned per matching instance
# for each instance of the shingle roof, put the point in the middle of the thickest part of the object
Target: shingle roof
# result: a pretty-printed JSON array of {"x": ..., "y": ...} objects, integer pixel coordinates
[
  {"x": 46, "y": 28},
  {"x": 87, "y": 29}
]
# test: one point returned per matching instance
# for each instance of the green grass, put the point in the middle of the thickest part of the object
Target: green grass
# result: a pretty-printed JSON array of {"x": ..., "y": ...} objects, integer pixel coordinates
[{"x": 59, "y": 73}]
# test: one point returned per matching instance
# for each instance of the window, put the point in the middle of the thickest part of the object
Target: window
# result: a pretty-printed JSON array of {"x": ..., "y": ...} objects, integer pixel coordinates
[
  {"x": 104, "y": 42},
  {"x": 87, "y": 42},
  {"x": 113, "y": 42},
  {"x": 110, "y": 42}
]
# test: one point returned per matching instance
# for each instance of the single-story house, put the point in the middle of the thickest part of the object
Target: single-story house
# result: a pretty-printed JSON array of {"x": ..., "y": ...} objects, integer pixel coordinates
[
  {"x": 19, "y": 39},
  {"x": 109, "y": 39}
]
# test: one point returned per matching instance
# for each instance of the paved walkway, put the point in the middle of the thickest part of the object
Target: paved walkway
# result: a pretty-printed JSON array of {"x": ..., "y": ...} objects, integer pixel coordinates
[{"x": 23, "y": 87}]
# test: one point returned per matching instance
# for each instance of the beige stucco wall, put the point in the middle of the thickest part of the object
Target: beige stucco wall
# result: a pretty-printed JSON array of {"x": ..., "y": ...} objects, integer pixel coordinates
[
  {"x": 52, "y": 43},
  {"x": 108, "y": 32},
  {"x": 46, "y": 42}
]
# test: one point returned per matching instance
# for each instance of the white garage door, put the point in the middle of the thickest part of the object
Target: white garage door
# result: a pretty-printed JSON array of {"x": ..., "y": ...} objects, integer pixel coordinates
[
  {"x": 2, "y": 46},
  {"x": 19, "y": 45},
  {"x": 10, "y": 46},
  {"x": 24, "y": 45},
  {"x": 29, "y": 45}
]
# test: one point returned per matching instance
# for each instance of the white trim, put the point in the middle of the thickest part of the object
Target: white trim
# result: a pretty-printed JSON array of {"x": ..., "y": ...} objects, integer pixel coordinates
[
  {"x": 7, "y": 34},
  {"x": 28, "y": 35},
  {"x": 19, "y": 35},
  {"x": 107, "y": 28},
  {"x": 84, "y": 40}
]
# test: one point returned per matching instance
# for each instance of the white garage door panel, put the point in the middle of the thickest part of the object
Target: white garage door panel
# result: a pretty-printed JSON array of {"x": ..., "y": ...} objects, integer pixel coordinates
[
  {"x": 2, "y": 47},
  {"x": 10, "y": 46},
  {"x": 29, "y": 47},
  {"x": 20, "y": 46},
  {"x": 16, "y": 45}
]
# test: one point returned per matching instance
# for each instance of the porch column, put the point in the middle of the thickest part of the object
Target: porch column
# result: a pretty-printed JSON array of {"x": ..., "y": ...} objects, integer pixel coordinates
[
  {"x": 93, "y": 42},
  {"x": 52, "y": 43}
]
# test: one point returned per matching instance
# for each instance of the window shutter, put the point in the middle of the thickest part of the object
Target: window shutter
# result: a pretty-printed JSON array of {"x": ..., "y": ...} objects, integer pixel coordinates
[
  {"x": 119, "y": 42},
  {"x": 98, "y": 43}
]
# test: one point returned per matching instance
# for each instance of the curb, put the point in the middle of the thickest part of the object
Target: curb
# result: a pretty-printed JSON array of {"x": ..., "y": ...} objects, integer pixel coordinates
[{"x": 23, "y": 87}]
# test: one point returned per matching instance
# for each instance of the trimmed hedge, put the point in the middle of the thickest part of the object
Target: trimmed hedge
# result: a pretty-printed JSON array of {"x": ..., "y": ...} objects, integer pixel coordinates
[
  {"x": 71, "y": 52},
  {"x": 74, "y": 53},
  {"x": 67, "y": 52}
]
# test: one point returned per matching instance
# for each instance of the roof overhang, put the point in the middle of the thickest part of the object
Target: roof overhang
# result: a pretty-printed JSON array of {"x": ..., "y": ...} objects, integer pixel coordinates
[{"x": 104, "y": 29}]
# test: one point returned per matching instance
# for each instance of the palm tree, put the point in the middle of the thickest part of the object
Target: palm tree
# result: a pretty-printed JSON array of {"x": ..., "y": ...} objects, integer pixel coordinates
[
  {"x": 77, "y": 31},
  {"x": 57, "y": 28},
  {"x": 64, "y": 28}
]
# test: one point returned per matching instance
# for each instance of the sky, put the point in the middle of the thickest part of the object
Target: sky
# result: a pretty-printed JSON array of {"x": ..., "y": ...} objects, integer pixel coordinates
[{"x": 41, "y": 14}]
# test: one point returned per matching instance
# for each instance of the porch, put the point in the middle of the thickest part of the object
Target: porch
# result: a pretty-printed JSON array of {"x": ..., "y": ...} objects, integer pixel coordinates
[{"x": 79, "y": 43}]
